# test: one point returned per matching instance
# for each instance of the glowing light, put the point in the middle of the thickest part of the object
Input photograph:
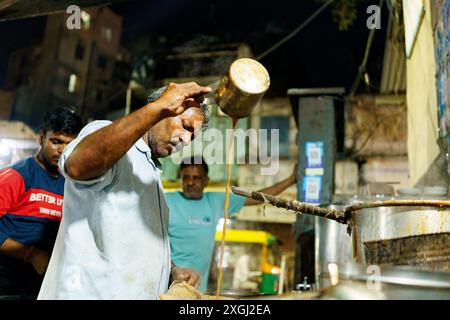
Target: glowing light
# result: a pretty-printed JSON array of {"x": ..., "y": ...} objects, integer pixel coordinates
[
  {"x": 333, "y": 269},
  {"x": 5, "y": 150},
  {"x": 72, "y": 83},
  {"x": 250, "y": 76},
  {"x": 275, "y": 270},
  {"x": 86, "y": 19}
]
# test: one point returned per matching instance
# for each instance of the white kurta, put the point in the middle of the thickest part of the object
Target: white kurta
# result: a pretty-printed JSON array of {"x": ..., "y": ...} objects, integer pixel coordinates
[{"x": 112, "y": 242}]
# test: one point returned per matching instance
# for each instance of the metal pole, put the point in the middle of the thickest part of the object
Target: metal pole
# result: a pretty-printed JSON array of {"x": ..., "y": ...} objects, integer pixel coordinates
[
  {"x": 128, "y": 102},
  {"x": 282, "y": 274}
]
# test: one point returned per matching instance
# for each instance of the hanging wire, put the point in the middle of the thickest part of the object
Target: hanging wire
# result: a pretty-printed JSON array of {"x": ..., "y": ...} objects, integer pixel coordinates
[
  {"x": 362, "y": 67},
  {"x": 293, "y": 33}
]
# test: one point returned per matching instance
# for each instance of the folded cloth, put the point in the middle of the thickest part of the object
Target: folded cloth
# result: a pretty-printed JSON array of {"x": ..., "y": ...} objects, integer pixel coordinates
[{"x": 180, "y": 290}]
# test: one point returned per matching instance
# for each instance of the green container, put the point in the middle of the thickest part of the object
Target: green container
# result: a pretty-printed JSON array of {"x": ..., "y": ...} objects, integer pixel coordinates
[{"x": 269, "y": 283}]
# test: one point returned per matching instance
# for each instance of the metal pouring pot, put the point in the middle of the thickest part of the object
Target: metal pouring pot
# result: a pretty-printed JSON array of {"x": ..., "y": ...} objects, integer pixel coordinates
[{"x": 240, "y": 90}]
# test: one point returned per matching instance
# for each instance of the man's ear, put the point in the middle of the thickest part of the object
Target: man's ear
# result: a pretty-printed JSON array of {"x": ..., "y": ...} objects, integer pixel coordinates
[{"x": 40, "y": 137}]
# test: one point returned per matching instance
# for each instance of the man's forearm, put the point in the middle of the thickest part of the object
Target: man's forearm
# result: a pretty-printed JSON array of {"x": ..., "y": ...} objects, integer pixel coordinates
[
  {"x": 29, "y": 254},
  {"x": 273, "y": 190},
  {"x": 99, "y": 151},
  {"x": 14, "y": 249}
]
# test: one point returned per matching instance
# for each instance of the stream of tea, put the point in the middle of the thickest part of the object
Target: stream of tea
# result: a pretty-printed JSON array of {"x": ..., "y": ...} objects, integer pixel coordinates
[{"x": 225, "y": 211}]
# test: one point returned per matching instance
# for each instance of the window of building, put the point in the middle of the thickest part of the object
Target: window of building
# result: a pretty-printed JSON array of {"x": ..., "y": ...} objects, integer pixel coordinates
[
  {"x": 85, "y": 20},
  {"x": 72, "y": 83},
  {"x": 102, "y": 62},
  {"x": 106, "y": 33},
  {"x": 79, "y": 52}
]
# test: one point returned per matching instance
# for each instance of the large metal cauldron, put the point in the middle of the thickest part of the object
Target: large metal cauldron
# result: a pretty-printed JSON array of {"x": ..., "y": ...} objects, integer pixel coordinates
[
  {"x": 384, "y": 236},
  {"x": 397, "y": 235},
  {"x": 386, "y": 233}
]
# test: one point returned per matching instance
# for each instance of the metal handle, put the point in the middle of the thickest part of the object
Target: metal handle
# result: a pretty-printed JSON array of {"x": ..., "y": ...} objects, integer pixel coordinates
[{"x": 297, "y": 206}]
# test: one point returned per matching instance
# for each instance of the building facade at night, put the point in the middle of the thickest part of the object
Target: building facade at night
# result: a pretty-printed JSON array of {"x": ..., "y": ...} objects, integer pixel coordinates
[{"x": 74, "y": 68}]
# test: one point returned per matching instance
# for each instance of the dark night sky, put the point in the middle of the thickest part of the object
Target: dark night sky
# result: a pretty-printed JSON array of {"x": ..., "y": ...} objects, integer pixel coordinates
[
  {"x": 319, "y": 56},
  {"x": 16, "y": 34}
]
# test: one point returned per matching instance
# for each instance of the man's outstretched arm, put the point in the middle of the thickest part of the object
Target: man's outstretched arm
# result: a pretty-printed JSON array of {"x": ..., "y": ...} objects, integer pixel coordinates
[
  {"x": 276, "y": 189},
  {"x": 99, "y": 151}
]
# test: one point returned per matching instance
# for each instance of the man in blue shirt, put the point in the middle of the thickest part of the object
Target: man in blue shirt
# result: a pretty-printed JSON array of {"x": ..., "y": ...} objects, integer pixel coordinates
[{"x": 194, "y": 215}]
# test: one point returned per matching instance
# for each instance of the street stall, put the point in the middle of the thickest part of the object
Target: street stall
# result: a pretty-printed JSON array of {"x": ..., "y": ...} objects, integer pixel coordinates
[{"x": 342, "y": 136}]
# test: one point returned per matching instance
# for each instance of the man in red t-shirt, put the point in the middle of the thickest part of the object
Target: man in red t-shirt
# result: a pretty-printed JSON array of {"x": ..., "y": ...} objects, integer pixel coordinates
[{"x": 31, "y": 198}]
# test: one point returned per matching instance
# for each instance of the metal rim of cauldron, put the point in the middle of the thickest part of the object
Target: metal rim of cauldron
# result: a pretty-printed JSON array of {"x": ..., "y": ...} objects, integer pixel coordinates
[
  {"x": 352, "y": 210},
  {"x": 358, "y": 225},
  {"x": 362, "y": 231},
  {"x": 440, "y": 204}
]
